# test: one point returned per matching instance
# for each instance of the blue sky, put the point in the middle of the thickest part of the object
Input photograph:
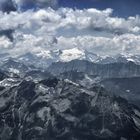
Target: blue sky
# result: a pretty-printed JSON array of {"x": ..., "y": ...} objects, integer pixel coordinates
[{"x": 121, "y": 8}]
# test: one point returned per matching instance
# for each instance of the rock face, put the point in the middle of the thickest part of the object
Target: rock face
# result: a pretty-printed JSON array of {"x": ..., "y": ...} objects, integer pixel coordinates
[
  {"x": 128, "y": 88},
  {"x": 14, "y": 67},
  {"x": 2, "y": 75},
  {"x": 112, "y": 70},
  {"x": 125, "y": 87},
  {"x": 53, "y": 109}
]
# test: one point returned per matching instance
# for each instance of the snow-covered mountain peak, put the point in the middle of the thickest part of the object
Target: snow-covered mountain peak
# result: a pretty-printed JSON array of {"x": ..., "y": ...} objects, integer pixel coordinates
[
  {"x": 43, "y": 57},
  {"x": 46, "y": 57},
  {"x": 71, "y": 54}
]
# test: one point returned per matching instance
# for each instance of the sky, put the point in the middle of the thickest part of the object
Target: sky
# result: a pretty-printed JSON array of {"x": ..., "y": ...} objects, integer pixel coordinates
[
  {"x": 103, "y": 27},
  {"x": 122, "y": 8}
]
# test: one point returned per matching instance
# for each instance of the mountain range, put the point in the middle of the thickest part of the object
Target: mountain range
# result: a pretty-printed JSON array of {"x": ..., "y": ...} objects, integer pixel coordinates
[
  {"x": 76, "y": 100},
  {"x": 46, "y": 58},
  {"x": 58, "y": 109}
]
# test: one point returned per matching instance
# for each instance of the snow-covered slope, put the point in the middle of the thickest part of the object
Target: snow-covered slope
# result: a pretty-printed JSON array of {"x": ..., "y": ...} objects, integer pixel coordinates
[
  {"x": 123, "y": 58},
  {"x": 44, "y": 58}
]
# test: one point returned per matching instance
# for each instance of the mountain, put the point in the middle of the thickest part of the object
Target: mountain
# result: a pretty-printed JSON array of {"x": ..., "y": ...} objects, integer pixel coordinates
[
  {"x": 33, "y": 59},
  {"x": 4, "y": 55},
  {"x": 74, "y": 100},
  {"x": 3, "y": 75},
  {"x": 46, "y": 58},
  {"x": 112, "y": 70},
  {"x": 38, "y": 74},
  {"x": 13, "y": 64},
  {"x": 120, "y": 79},
  {"x": 120, "y": 58},
  {"x": 127, "y": 88},
  {"x": 61, "y": 109},
  {"x": 15, "y": 67}
]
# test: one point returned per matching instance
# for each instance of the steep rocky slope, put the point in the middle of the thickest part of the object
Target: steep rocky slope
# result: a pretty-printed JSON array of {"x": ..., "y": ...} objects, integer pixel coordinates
[
  {"x": 60, "y": 109},
  {"x": 112, "y": 70}
]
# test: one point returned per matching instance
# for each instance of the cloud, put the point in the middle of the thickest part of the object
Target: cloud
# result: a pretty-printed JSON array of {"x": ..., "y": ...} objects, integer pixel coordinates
[
  {"x": 103, "y": 46},
  {"x": 7, "y": 5},
  {"x": 5, "y": 44},
  {"x": 13, "y": 5},
  {"x": 89, "y": 29},
  {"x": 27, "y": 4},
  {"x": 90, "y": 19}
]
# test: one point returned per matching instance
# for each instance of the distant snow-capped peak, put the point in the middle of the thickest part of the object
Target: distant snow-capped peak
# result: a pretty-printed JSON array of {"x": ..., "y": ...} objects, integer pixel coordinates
[
  {"x": 43, "y": 57},
  {"x": 71, "y": 54},
  {"x": 64, "y": 55}
]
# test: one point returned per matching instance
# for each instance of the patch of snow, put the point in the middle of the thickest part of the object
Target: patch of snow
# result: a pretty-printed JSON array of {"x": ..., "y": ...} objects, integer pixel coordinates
[
  {"x": 70, "y": 117},
  {"x": 71, "y": 54},
  {"x": 88, "y": 78},
  {"x": 137, "y": 112},
  {"x": 128, "y": 90},
  {"x": 68, "y": 81},
  {"x": 137, "y": 121},
  {"x": 130, "y": 59},
  {"x": 116, "y": 106},
  {"x": 16, "y": 71},
  {"x": 8, "y": 82},
  {"x": 44, "y": 54},
  {"x": 43, "y": 89}
]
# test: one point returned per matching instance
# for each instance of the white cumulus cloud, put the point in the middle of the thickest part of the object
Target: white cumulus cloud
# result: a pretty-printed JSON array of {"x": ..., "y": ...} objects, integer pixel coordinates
[{"x": 88, "y": 29}]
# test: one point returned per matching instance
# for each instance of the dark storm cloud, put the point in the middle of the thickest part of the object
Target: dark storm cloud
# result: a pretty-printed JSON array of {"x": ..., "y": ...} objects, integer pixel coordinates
[{"x": 7, "y": 6}]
